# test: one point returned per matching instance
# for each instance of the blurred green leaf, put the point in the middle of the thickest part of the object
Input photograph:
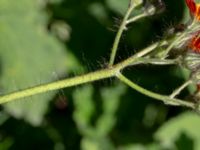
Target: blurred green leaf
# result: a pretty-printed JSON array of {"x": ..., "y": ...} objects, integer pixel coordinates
[
  {"x": 152, "y": 146},
  {"x": 6, "y": 143},
  {"x": 185, "y": 128},
  {"x": 133, "y": 147},
  {"x": 111, "y": 99},
  {"x": 29, "y": 55},
  {"x": 98, "y": 11},
  {"x": 96, "y": 138},
  {"x": 96, "y": 144},
  {"x": 119, "y": 6},
  {"x": 84, "y": 108}
]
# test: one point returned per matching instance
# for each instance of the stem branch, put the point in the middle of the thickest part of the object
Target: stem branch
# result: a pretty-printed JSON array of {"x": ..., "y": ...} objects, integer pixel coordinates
[
  {"x": 93, "y": 76},
  {"x": 163, "y": 98},
  {"x": 119, "y": 34},
  {"x": 133, "y": 19},
  {"x": 178, "y": 90}
]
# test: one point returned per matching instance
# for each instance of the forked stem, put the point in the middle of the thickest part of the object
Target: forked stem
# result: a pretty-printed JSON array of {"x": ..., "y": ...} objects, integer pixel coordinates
[
  {"x": 89, "y": 77},
  {"x": 163, "y": 98}
]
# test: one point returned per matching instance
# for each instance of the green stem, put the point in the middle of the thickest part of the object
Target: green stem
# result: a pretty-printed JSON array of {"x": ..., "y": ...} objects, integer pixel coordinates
[
  {"x": 119, "y": 34},
  {"x": 175, "y": 40},
  {"x": 59, "y": 85},
  {"x": 155, "y": 61},
  {"x": 178, "y": 90},
  {"x": 133, "y": 19},
  {"x": 163, "y": 98},
  {"x": 131, "y": 60},
  {"x": 97, "y": 75}
]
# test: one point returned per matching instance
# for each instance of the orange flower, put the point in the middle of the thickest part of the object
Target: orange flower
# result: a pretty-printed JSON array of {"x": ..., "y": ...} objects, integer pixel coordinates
[
  {"x": 194, "y": 45},
  {"x": 194, "y": 8}
]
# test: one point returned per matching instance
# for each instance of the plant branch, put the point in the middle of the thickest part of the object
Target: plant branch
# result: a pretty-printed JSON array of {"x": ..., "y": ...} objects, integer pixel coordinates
[
  {"x": 119, "y": 34},
  {"x": 175, "y": 41},
  {"x": 135, "y": 18},
  {"x": 105, "y": 73},
  {"x": 163, "y": 98},
  {"x": 93, "y": 76},
  {"x": 155, "y": 61},
  {"x": 181, "y": 88}
]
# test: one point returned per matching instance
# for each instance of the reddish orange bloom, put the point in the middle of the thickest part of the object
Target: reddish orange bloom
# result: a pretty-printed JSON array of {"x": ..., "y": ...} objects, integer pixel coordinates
[
  {"x": 194, "y": 44},
  {"x": 194, "y": 8}
]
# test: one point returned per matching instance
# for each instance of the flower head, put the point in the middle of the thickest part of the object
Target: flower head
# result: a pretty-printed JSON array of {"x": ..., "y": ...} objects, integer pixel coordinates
[
  {"x": 194, "y": 44},
  {"x": 194, "y": 8}
]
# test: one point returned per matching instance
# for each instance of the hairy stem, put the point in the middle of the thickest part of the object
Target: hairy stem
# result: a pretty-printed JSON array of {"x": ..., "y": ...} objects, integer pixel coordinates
[
  {"x": 155, "y": 61},
  {"x": 119, "y": 34},
  {"x": 59, "y": 85},
  {"x": 163, "y": 98},
  {"x": 93, "y": 76},
  {"x": 175, "y": 40}
]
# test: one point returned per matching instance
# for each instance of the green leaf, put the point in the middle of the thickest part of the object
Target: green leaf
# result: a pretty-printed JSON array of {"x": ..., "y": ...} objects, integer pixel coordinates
[
  {"x": 96, "y": 144},
  {"x": 29, "y": 55},
  {"x": 133, "y": 147},
  {"x": 152, "y": 146},
  {"x": 183, "y": 129},
  {"x": 98, "y": 11},
  {"x": 119, "y": 6},
  {"x": 84, "y": 108},
  {"x": 6, "y": 143},
  {"x": 111, "y": 100}
]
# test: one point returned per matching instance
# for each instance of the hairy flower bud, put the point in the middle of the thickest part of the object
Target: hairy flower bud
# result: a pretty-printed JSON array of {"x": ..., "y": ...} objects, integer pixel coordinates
[
  {"x": 192, "y": 61},
  {"x": 135, "y": 2},
  {"x": 158, "y": 5}
]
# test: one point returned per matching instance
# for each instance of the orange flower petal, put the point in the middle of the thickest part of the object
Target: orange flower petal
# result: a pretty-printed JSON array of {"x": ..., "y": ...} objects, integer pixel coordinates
[
  {"x": 195, "y": 44},
  {"x": 191, "y": 5},
  {"x": 194, "y": 8}
]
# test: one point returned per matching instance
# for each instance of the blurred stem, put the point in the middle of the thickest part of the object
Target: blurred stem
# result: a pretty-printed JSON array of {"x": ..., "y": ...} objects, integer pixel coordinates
[
  {"x": 105, "y": 73},
  {"x": 175, "y": 40},
  {"x": 181, "y": 88},
  {"x": 192, "y": 28},
  {"x": 155, "y": 61},
  {"x": 133, "y": 19},
  {"x": 163, "y": 98},
  {"x": 89, "y": 77},
  {"x": 119, "y": 34}
]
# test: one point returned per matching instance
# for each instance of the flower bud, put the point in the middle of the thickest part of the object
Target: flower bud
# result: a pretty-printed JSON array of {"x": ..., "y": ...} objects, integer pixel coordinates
[
  {"x": 136, "y": 2},
  {"x": 155, "y": 6},
  {"x": 191, "y": 61}
]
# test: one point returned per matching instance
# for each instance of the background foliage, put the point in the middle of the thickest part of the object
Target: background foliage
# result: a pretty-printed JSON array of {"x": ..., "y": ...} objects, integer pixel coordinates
[{"x": 47, "y": 40}]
